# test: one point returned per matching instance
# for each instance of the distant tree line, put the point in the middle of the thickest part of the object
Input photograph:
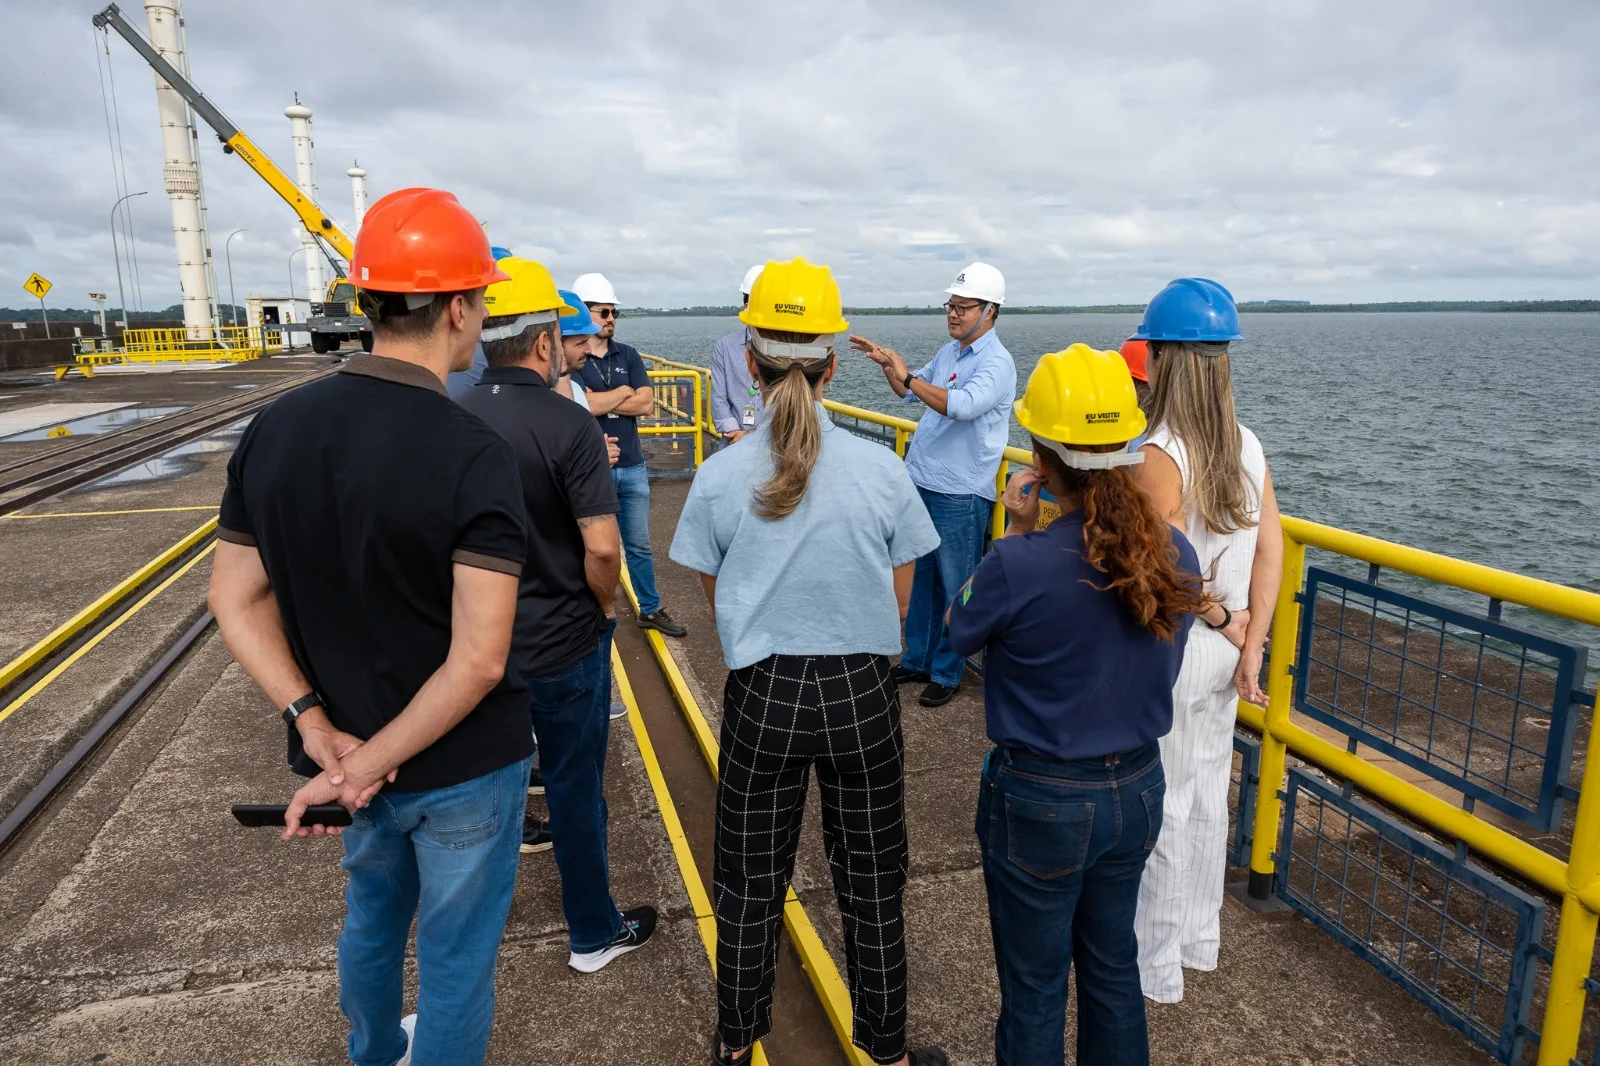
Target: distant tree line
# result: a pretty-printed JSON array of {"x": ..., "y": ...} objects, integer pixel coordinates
[
  {"x": 79, "y": 314},
  {"x": 175, "y": 312},
  {"x": 1249, "y": 307}
]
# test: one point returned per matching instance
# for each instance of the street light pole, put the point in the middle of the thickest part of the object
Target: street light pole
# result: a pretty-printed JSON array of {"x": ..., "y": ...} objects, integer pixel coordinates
[
  {"x": 233, "y": 303},
  {"x": 121, "y": 299},
  {"x": 288, "y": 338}
]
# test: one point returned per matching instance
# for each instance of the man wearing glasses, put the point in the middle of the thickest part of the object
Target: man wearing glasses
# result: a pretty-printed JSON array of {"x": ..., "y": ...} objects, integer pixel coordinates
[
  {"x": 618, "y": 390},
  {"x": 968, "y": 387}
]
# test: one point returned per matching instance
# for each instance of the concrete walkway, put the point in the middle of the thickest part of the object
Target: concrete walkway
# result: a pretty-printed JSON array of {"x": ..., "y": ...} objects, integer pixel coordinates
[{"x": 142, "y": 925}]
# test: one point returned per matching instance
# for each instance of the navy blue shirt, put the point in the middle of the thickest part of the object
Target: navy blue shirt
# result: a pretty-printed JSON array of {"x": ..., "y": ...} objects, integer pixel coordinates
[
  {"x": 1070, "y": 673},
  {"x": 620, "y": 366}
]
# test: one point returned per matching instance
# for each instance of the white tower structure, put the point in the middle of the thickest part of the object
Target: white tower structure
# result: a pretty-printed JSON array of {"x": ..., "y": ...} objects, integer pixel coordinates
[
  {"x": 180, "y": 175},
  {"x": 305, "y": 175},
  {"x": 358, "y": 191}
]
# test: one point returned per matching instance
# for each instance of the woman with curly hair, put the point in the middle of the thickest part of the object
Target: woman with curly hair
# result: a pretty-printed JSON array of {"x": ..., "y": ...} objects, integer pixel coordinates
[{"x": 1084, "y": 623}]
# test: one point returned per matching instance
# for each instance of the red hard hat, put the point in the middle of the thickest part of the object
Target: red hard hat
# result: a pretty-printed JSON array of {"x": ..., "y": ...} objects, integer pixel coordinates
[
  {"x": 422, "y": 240},
  {"x": 1134, "y": 353}
]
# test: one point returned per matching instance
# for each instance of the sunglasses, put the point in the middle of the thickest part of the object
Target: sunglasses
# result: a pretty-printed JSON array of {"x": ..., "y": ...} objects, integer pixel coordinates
[
  {"x": 953, "y": 308},
  {"x": 605, "y": 312}
]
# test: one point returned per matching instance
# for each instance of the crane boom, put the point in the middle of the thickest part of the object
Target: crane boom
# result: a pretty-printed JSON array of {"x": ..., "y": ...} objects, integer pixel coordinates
[{"x": 233, "y": 139}]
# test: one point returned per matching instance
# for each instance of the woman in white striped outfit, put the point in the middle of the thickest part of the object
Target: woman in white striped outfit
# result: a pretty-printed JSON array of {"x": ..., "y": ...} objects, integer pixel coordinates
[{"x": 1207, "y": 475}]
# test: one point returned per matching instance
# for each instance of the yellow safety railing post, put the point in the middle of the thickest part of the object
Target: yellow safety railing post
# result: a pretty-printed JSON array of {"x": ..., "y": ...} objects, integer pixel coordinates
[
  {"x": 997, "y": 523},
  {"x": 901, "y": 439},
  {"x": 1563, "y": 1009},
  {"x": 695, "y": 423},
  {"x": 1285, "y": 638},
  {"x": 1574, "y": 955}
]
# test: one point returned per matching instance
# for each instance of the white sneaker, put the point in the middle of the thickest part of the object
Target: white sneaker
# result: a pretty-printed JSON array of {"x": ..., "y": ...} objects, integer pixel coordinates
[
  {"x": 409, "y": 1024},
  {"x": 619, "y": 710}
]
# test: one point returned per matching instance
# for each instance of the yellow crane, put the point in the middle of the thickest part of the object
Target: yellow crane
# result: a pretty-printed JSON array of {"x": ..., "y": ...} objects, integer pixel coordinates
[{"x": 337, "y": 317}]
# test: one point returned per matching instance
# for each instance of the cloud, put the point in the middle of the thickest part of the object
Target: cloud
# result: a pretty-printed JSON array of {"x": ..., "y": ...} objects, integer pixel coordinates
[{"x": 1359, "y": 150}]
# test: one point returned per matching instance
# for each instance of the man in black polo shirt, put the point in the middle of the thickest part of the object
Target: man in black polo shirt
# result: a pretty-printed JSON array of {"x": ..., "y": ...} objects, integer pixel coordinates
[
  {"x": 372, "y": 534},
  {"x": 565, "y": 614},
  {"x": 617, "y": 387}
]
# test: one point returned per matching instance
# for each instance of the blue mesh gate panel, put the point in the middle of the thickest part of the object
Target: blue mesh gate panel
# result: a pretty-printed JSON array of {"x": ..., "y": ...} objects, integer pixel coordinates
[
  {"x": 1244, "y": 811},
  {"x": 1477, "y": 704},
  {"x": 1452, "y": 934}
]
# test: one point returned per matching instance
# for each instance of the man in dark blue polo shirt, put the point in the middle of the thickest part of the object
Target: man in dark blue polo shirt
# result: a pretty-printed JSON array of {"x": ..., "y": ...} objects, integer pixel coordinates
[
  {"x": 371, "y": 538},
  {"x": 565, "y": 605},
  {"x": 617, "y": 387}
]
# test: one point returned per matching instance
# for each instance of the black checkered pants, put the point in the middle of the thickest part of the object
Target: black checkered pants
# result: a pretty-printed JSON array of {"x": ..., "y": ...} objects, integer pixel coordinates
[{"x": 780, "y": 717}]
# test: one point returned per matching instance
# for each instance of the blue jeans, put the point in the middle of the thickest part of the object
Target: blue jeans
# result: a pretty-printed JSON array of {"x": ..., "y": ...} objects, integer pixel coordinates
[
  {"x": 962, "y": 522},
  {"x": 1064, "y": 846},
  {"x": 571, "y": 714},
  {"x": 633, "y": 494},
  {"x": 449, "y": 858}
]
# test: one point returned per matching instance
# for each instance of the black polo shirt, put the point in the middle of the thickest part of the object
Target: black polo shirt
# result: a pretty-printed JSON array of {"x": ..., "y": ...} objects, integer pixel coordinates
[
  {"x": 360, "y": 491},
  {"x": 620, "y": 366},
  {"x": 566, "y": 476}
]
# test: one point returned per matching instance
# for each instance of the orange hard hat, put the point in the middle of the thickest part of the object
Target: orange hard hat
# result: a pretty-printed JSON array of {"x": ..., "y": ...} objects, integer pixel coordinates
[
  {"x": 422, "y": 240},
  {"x": 1134, "y": 353}
]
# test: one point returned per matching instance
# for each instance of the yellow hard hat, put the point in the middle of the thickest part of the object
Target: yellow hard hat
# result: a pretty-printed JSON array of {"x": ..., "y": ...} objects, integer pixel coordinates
[
  {"x": 530, "y": 291},
  {"x": 796, "y": 297},
  {"x": 1081, "y": 396}
]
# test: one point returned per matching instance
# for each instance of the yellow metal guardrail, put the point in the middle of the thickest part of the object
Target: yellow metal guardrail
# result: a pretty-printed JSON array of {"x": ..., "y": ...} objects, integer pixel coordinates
[
  {"x": 221, "y": 344},
  {"x": 1575, "y": 880},
  {"x": 675, "y": 418}
]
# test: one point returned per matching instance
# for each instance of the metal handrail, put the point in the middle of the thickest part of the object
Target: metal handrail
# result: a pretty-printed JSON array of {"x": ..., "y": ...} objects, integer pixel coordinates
[{"x": 1576, "y": 880}]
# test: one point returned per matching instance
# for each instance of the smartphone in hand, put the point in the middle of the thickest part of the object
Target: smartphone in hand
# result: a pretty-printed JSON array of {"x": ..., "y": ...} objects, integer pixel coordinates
[{"x": 257, "y": 815}]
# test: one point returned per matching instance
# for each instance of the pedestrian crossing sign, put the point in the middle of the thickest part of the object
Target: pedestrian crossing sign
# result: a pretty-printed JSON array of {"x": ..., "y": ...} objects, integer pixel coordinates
[{"x": 37, "y": 286}]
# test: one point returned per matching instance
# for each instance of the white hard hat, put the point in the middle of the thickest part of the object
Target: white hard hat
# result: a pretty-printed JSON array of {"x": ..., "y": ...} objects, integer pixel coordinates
[
  {"x": 750, "y": 277},
  {"x": 594, "y": 289},
  {"x": 980, "y": 281}
]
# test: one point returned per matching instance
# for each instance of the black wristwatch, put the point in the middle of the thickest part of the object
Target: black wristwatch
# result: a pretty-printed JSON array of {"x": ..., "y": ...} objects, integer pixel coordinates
[
  {"x": 910, "y": 377},
  {"x": 1227, "y": 617},
  {"x": 301, "y": 706}
]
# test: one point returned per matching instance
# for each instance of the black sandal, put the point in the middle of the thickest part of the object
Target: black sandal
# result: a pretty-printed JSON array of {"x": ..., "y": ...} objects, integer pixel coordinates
[{"x": 721, "y": 1057}]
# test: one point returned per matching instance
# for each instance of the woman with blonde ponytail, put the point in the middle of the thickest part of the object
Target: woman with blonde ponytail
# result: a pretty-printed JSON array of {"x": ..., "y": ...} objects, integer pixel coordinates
[
  {"x": 1207, "y": 475},
  {"x": 805, "y": 538}
]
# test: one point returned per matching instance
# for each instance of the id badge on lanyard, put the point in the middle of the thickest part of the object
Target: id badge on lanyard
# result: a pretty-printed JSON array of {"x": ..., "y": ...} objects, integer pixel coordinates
[{"x": 749, "y": 419}]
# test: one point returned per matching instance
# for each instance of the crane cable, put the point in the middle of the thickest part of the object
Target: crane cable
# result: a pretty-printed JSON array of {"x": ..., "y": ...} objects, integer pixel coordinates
[
  {"x": 120, "y": 158},
  {"x": 117, "y": 184}
]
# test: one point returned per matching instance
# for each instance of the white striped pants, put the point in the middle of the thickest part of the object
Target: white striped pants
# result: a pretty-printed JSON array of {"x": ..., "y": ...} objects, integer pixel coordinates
[{"x": 1180, "y": 898}]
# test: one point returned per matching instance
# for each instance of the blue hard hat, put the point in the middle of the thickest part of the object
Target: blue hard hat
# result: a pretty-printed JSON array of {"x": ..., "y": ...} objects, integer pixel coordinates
[
  {"x": 579, "y": 324},
  {"x": 1191, "y": 309},
  {"x": 500, "y": 253}
]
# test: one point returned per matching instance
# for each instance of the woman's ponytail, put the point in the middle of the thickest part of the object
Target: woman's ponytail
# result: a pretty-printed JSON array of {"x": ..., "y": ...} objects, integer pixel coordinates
[{"x": 794, "y": 428}]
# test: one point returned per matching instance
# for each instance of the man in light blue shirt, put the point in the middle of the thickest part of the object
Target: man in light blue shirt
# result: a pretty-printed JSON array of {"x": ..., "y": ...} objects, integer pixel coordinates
[
  {"x": 735, "y": 401},
  {"x": 953, "y": 459}
]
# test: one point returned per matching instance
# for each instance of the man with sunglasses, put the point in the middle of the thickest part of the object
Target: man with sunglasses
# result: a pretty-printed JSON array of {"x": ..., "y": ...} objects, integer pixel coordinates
[
  {"x": 968, "y": 387},
  {"x": 617, "y": 387}
]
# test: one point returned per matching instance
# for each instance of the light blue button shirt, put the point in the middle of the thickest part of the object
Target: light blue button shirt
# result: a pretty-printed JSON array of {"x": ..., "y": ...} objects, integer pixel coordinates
[
  {"x": 960, "y": 453},
  {"x": 460, "y": 382},
  {"x": 820, "y": 581},
  {"x": 732, "y": 389}
]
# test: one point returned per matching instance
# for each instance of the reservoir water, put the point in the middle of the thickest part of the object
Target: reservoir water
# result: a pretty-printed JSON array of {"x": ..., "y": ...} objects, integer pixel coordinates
[{"x": 1474, "y": 435}]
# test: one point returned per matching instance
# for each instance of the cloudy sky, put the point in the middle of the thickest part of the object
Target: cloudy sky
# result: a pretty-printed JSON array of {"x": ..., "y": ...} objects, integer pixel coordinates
[{"x": 1350, "y": 150}]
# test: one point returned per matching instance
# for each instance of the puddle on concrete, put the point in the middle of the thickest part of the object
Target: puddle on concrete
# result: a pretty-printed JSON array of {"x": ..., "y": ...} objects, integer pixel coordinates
[
  {"x": 184, "y": 459},
  {"x": 93, "y": 425}
]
